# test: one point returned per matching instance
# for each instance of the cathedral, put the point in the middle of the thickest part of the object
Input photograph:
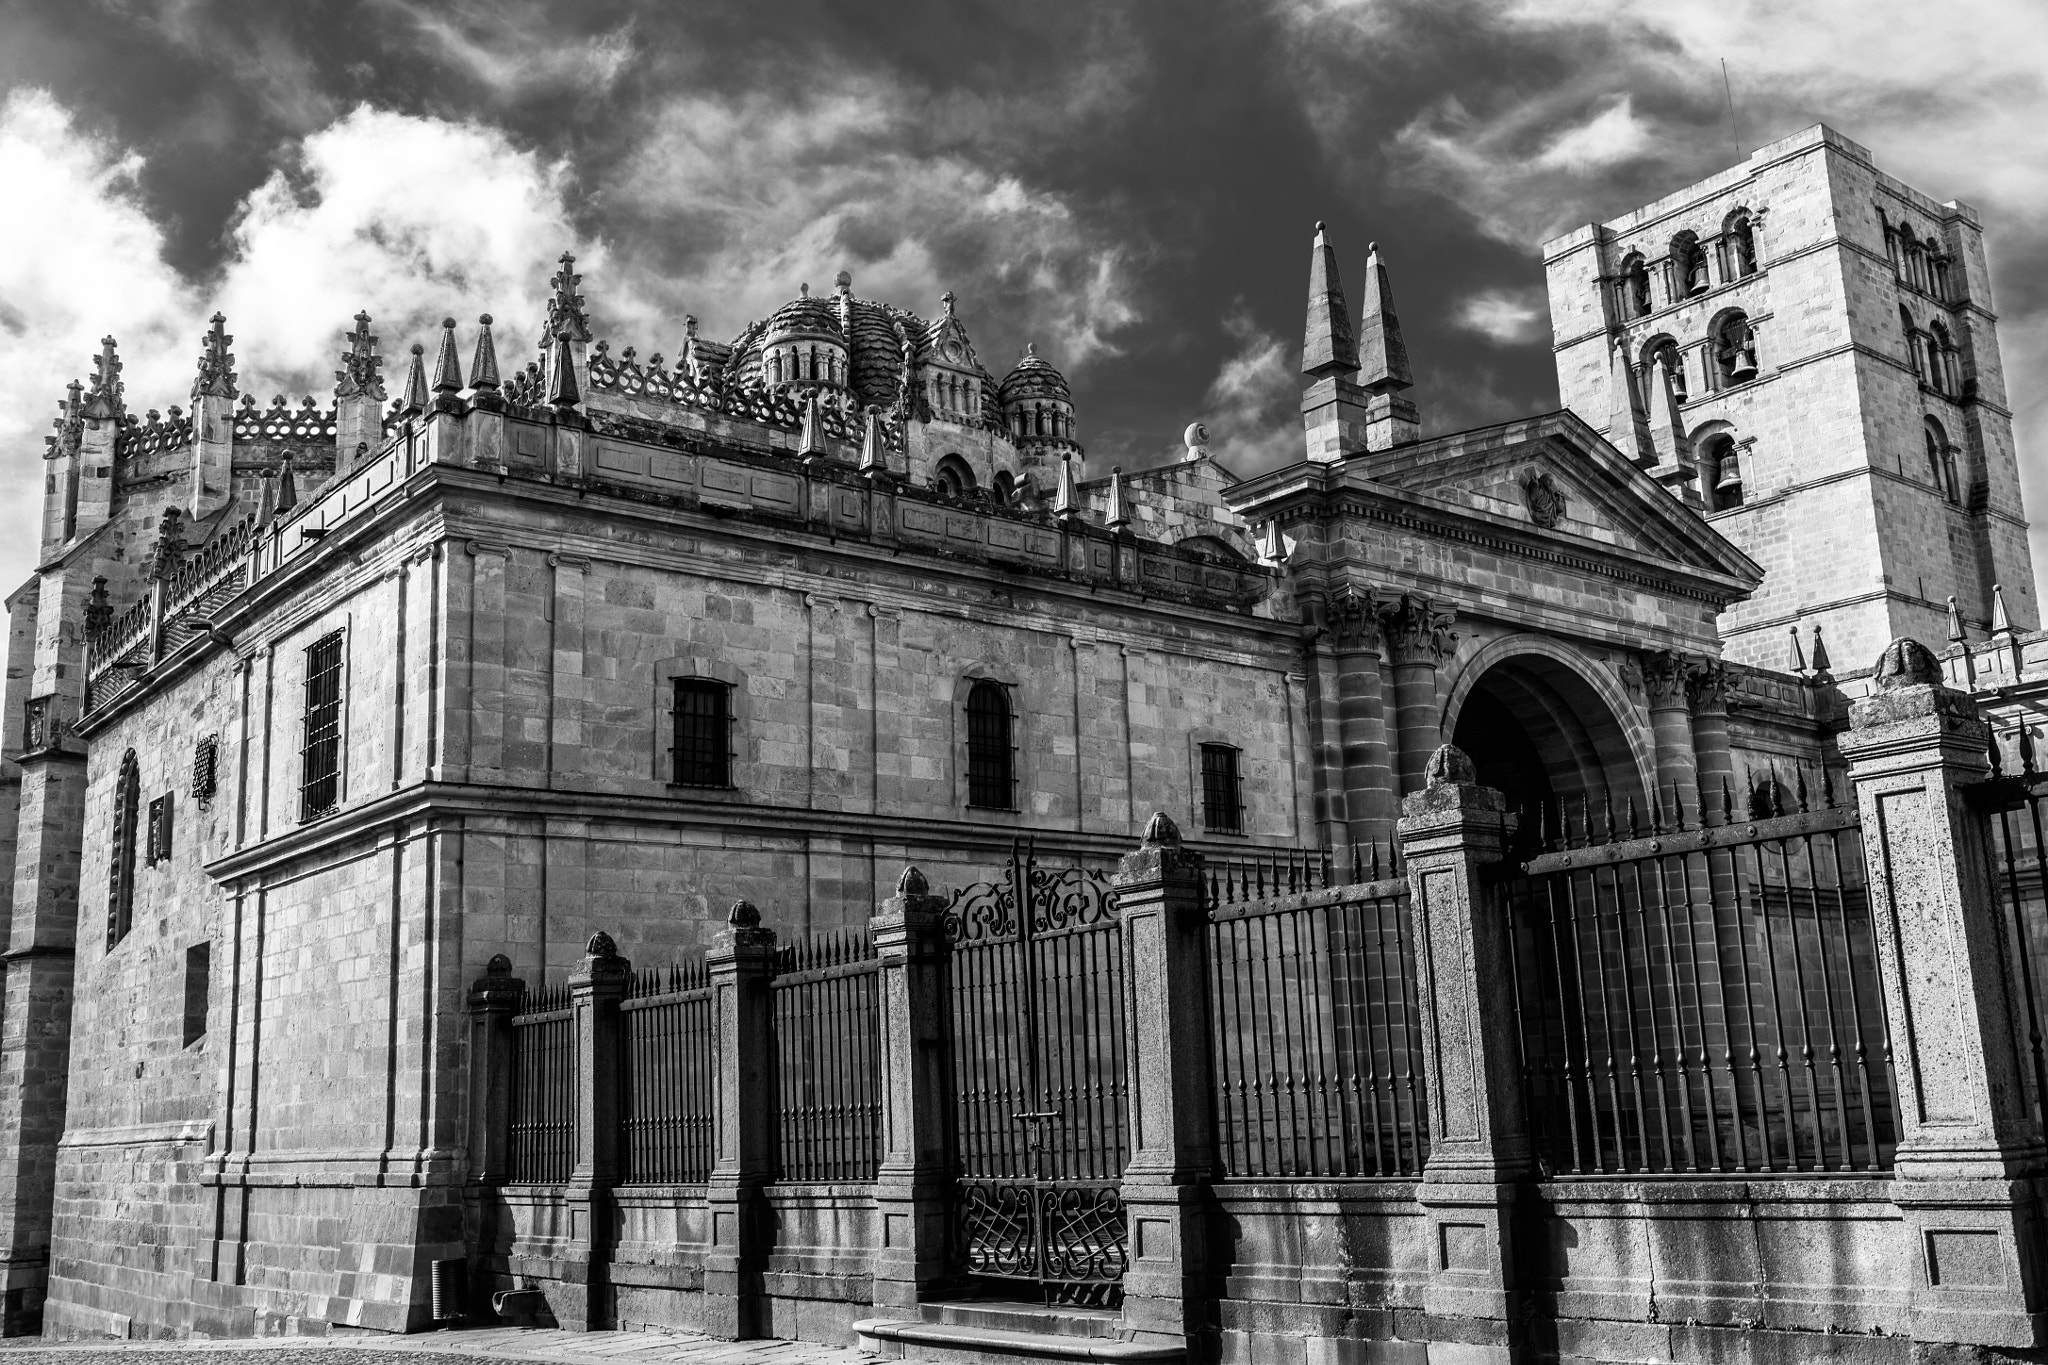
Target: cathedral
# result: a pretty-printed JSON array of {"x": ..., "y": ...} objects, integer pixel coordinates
[{"x": 317, "y": 712}]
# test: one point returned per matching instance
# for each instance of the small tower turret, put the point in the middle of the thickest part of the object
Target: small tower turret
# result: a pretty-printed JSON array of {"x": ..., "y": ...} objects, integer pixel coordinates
[
  {"x": 99, "y": 419},
  {"x": 358, "y": 397},
  {"x": 213, "y": 421},
  {"x": 1038, "y": 409}
]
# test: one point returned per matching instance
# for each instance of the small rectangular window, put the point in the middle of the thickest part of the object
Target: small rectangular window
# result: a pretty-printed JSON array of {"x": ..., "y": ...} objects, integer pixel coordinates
[
  {"x": 703, "y": 723},
  {"x": 159, "y": 842},
  {"x": 1222, "y": 790},
  {"x": 198, "y": 971},
  {"x": 320, "y": 756}
]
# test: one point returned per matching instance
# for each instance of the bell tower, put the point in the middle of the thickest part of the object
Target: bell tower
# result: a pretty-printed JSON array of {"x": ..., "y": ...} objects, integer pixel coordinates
[{"x": 1803, "y": 349}]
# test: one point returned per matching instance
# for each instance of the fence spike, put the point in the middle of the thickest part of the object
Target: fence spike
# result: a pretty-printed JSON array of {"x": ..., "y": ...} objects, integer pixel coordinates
[
  {"x": 1997, "y": 766},
  {"x": 1656, "y": 809},
  {"x": 1799, "y": 778},
  {"x": 1727, "y": 801},
  {"x": 1631, "y": 817},
  {"x": 2026, "y": 748},
  {"x": 1776, "y": 792},
  {"x": 1328, "y": 868},
  {"x": 1607, "y": 810},
  {"x": 1357, "y": 864}
]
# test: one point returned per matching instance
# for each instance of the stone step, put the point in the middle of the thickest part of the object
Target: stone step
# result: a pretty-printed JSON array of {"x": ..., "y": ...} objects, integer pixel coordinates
[
  {"x": 951, "y": 1344},
  {"x": 1010, "y": 1315}
]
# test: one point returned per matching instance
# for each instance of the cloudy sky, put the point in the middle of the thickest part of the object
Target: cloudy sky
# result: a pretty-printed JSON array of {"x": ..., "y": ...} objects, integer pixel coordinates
[{"x": 1131, "y": 186}]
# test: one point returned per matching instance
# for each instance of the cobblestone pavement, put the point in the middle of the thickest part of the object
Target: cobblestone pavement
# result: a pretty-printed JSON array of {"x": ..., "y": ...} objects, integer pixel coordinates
[{"x": 463, "y": 1346}]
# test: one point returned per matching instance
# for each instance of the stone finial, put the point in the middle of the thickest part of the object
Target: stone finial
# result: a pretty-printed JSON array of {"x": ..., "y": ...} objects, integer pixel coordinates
[
  {"x": 562, "y": 390},
  {"x": 2001, "y": 623},
  {"x": 499, "y": 965},
  {"x": 447, "y": 368},
  {"x": 872, "y": 462},
  {"x": 811, "y": 441},
  {"x": 1115, "y": 517},
  {"x": 843, "y": 282},
  {"x": 1272, "y": 545},
  {"x": 1957, "y": 635},
  {"x": 1065, "y": 505},
  {"x": 483, "y": 365},
  {"x": 1328, "y": 345},
  {"x": 1906, "y": 662},
  {"x": 1195, "y": 441},
  {"x": 1797, "y": 661},
  {"x": 99, "y": 609},
  {"x": 1161, "y": 832},
  {"x": 169, "y": 551},
  {"x": 287, "y": 486},
  {"x": 566, "y": 319},
  {"x": 1382, "y": 353},
  {"x": 946, "y": 302},
  {"x": 362, "y": 370},
  {"x": 1449, "y": 766},
  {"x": 912, "y": 883},
  {"x": 1821, "y": 662},
  {"x": 415, "y": 396},
  {"x": 743, "y": 915},
  {"x": 600, "y": 946},
  {"x": 216, "y": 377},
  {"x": 103, "y": 399}
]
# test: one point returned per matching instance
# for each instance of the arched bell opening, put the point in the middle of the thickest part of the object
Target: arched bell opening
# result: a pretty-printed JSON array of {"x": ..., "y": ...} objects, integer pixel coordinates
[{"x": 1544, "y": 736}]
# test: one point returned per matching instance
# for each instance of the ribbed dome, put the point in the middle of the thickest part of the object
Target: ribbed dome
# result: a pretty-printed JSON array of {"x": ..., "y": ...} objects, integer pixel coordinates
[
  {"x": 1034, "y": 378},
  {"x": 803, "y": 316}
]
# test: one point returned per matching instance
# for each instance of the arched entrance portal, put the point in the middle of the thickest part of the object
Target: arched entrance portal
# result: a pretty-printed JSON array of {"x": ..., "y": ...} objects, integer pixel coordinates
[{"x": 1539, "y": 731}]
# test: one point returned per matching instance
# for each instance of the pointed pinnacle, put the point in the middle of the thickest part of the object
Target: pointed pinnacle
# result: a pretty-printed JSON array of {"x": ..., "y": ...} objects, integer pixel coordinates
[
  {"x": 1328, "y": 345},
  {"x": 872, "y": 461},
  {"x": 1821, "y": 663},
  {"x": 483, "y": 366},
  {"x": 1383, "y": 355},
  {"x": 811, "y": 441},
  {"x": 1064, "y": 504},
  {"x": 447, "y": 369},
  {"x": 1114, "y": 516},
  {"x": 1798, "y": 653},
  {"x": 562, "y": 389},
  {"x": 1956, "y": 634},
  {"x": 415, "y": 399},
  {"x": 2001, "y": 624}
]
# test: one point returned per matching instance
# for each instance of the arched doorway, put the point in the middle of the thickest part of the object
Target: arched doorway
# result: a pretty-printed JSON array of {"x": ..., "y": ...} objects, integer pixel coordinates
[{"x": 1542, "y": 734}]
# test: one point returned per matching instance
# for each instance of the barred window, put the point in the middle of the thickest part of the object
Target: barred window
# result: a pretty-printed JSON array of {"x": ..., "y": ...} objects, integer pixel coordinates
[
  {"x": 320, "y": 756},
  {"x": 991, "y": 760},
  {"x": 159, "y": 841},
  {"x": 205, "y": 771},
  {"x": 703, "y": 722},
  {"x": 121, "y": 863},
  {"x": 1222, "y": 790},
  {"x": 198, "y": 977}
]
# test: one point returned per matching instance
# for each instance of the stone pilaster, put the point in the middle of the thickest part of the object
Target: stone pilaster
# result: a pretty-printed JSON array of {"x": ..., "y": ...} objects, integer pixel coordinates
[
  {"x": 1969, "y": 1152},
  {"x": 1707, "y": 685},
  {"x": 1450, "y": 831},
  {"x": 1159, "y": 892},
  {"x": 1664, "y": 681},
  {"x": 912, "y": 1188},
  {"x": 493, "y": 1000},
  {"x": 1320, "y": 709},
  {"x": 1369, "y": 795},
  {"x": 1418, "y": 636},
  {"x": 595, "y": 989},
  {"x": 742, "y": 964}
]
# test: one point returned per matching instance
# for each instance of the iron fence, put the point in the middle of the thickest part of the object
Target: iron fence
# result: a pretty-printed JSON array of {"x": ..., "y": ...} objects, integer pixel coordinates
[
  {"x": 1314, "y": 1032},
  {"x": 1702, "y": 1000},
  {"x": 544, "y": 1075},
  {"x": 828, "y": 1058},
  {"x": 668, "y": 1045},
  {"x": 2012, "y": 803}
]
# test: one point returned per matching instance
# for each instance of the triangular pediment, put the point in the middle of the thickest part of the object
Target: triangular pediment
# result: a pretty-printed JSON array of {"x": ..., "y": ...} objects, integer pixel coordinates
[
  {"x": 1554, "y": 476},
  {"x": 946, "y": 343}
]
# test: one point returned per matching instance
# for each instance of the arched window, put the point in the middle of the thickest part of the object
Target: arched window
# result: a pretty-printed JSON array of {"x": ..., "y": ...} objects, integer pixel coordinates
[
  {"x": 991, "y": 756},
  {"x": 1002, "y": 489},
  {"x": 1738, "y": 246},
  {"x": 1721, "y": 473},
  {"x": 1941, "y": 463},
  {"x": 1689, "y": 265},
  {"x": 121, "y": 861},
  {"x": 1635, "y": 287},
  {"x": 1942, "y": 363},
  {"x": 1734, "y": 350},
  {"x": 954, "y": 476},
  {"x": 1665, "y": 351},
  {"x": 1912, "y": 336}
]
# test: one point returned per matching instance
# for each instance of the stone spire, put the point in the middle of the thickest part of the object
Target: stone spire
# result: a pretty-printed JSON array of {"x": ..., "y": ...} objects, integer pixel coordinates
[
  {"x": 415, "y": 397},
  {"x": 1627, "y": 426},
  {"x": 216, "y": 377},
  {"x": 1065, "y": 505},
  {"x": 1678, "y": 470},
  {"x": 447, "y": 368},
  {"x": 362, "y": 370},
  {"x": 811, "y": 442},
  {"x": 872, "y": 462},
  {"x": 1390, "y": 418},
  {"x": 1328, "y": 346},
  {"x": 103, "y": 399},
  {"x": 563, "y": 391},
  {"x": 287, "y": 486},
  {"x": 566, "y": 317},
  {"x": 1332, "y": 406},
  {"x": 1115, "y": 516},
  {"x": 358, "y": 396},
  {"x": 1797, "y": 662},
  {"x": 483, "y": 366}
]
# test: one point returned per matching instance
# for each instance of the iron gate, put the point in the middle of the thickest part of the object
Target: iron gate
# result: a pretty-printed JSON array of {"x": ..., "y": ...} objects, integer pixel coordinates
[{"x": 1036, "y": 1049}]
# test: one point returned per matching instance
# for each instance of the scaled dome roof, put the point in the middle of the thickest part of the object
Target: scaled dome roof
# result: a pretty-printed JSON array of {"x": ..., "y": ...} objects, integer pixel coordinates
[
  {"x": 1034, "y": 377},
  {"x": 803, "y": 316}
]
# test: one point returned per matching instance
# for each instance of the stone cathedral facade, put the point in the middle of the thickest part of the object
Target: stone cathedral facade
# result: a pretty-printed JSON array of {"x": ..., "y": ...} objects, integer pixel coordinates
[{"x": 314, "y": 709}]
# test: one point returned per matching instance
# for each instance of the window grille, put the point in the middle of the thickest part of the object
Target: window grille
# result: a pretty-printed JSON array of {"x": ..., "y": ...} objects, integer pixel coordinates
[
  {"x": 703, "y": 725},
  {"x": 158, "y": 844},
  {"x": 198, "y": 975},
  {"x": 121, "y": 865},
  {"x": 1222, "y": 790},
  {"x": 320, "y": 758},
  {"x": 205, "y": 771},
  {"x": 991, "y": 762}
]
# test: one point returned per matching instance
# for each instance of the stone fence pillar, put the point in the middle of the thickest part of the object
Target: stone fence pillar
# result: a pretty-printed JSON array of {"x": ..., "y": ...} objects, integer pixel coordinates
[
  {"x": 595, "y": 989},
  {"x": 493, "y": 1000},
  {"x": 1159, "y": 897},
  {"x": 1479, "y": 1147},
  {"x": 911, "y": 1188},
  {"x": 741, "y": 965},
  {"x": 1969, "y": 1152}
]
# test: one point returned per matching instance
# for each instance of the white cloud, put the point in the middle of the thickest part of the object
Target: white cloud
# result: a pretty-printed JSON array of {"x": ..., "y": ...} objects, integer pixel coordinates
[
  {"x": 1609, "y": 138},
  {"x": 1505, "y": 316},
  {"x": 1253, "y": 406}
]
